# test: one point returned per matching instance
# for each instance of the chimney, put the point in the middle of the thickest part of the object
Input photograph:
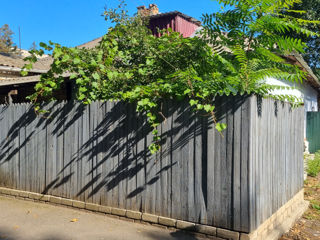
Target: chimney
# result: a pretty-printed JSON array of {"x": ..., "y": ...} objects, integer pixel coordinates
[
  {"x": 145, "y": 12},
  {"x": 153, "y": 9}
]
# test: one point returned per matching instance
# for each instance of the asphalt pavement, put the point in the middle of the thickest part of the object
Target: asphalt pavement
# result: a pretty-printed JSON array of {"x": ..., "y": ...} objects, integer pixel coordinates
[{"x": 26, "y": 220}]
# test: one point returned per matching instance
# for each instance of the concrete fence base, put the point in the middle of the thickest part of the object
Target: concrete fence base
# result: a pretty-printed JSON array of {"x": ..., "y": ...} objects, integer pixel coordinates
[{"x": 279, "y": 223}]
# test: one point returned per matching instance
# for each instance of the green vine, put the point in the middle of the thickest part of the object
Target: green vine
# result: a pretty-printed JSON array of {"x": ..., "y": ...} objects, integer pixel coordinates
[{"x": 130, "y": 64}]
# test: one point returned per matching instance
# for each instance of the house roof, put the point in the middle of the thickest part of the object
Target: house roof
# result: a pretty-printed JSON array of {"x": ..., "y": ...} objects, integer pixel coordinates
[
  {"x": 299, "y": 60},
  {"x": 19, "y": 80},
  {"x": 16, "y": 63},
  {"x": 89, "y": 45},
  {"x": 191, "y": 19}
]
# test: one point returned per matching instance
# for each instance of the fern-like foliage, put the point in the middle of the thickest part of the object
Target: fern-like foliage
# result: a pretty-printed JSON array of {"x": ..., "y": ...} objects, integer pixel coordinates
[{"x": 252, "y": 40}]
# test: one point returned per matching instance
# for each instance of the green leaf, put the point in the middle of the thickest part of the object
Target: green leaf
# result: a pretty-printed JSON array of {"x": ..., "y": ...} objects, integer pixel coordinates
[
  {"x": 96, "y": 76},
  {"x": 76, "y": 60},
  {"x": 221, "y": 126},
  {"x": 186, "y": 91},
  {"x": 193, "y": 102},
  {"x": 65, "y": 58},
  {"x": 24, "y": 73},
  {"x": 208, "y": 108}
]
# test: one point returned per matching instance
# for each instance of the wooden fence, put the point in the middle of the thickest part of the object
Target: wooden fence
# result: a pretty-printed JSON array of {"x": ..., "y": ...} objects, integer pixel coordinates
[
  {"x": 99, "y": 153},
  {"x": 313, "y": 131}
]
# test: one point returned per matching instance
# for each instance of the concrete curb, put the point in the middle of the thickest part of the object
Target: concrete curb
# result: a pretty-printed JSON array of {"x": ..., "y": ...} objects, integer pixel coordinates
[{"x": 272, "y": 228}]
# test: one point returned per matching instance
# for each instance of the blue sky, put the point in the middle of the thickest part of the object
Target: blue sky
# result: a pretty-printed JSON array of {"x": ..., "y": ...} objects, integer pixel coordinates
[{"x": 73, "y": 22}]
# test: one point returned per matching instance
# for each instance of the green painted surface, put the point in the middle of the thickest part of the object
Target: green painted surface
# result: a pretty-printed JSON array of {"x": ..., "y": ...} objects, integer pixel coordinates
[{"x": 313, "y": 131}]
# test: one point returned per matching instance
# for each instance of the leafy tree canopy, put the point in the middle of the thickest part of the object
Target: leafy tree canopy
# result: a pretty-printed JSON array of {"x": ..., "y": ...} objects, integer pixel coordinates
[
  {"x": 6, "y": 42},
  {"x": 236, "y": 50},
  {"x": 311, "y": 11}
]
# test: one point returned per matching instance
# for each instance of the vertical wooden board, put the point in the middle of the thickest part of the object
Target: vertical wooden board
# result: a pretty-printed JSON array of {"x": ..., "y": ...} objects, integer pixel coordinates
[
  {"x": 14, "y": 156},
  {"x": 77, "y": 112},
  {"x": 165, "y": 161},
  {"x": 274, "y": 171},
  {"x": 58, "y": 190},
  {"x": 141, "y": 162},
  {"x": 96, "y": 149},
  {"x": 258, "y": 153},
  {"x": 229, "y": 137},
  {"x": 210, "y": 171},
  {"x": 22, "y": 148},
  {"x": 149, "y": 177},
  {"x": 11, "y": 146},
  {"x": 237, "y": 168},
  {"x": 29, "y": 149},
  {"x": 103, "y": 131},
  {"x": 277, "y": 144},
  {"x": 64, "y": 183},
  {"x": 157, "y": 179},
  {"x": 130, "y": 150},
  {"x": 110, "y": 139},
  {"x": 245, "y": 133},
  {"x": 115, "y": 189},
  {"x": 183, "y": 141},
  {"x": 253, "y": 178},
  {"x": 100, "y": 149},
  {"x": 273, "y": 174},
  {"x": 191, "y": 166},
  {"x": 51, "y": 158},
  {"x": 288, "y": 155},
  {"x": 131, "y": 154},
  {"x": 122, "y": 160},
  {"x": 5, "y": 145},
  {"x": 84, "y": 152},
  {"x": 217, "y": 199},
  {"x": 282, "y": 155},
  {"x": 83, "y": 155},
  {"x": 201, "y": 171},
  {"x": 268, "y": 160},
  {"x": 42, "y": 152}
]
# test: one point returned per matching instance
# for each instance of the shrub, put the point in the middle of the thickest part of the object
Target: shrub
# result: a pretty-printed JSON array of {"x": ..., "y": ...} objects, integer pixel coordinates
[{"x": 314, "y": 165}]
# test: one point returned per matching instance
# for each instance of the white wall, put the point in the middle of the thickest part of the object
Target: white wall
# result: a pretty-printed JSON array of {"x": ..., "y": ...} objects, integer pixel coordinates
[{"x": 304, "y": 91}]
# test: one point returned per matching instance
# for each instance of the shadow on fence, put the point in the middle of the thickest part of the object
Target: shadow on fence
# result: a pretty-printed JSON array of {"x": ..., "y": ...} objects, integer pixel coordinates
[{"x": 104, "y": 135}]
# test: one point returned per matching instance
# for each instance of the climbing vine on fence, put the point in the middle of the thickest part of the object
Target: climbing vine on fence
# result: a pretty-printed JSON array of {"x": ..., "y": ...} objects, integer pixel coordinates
[{"x": 234, "y": 53}]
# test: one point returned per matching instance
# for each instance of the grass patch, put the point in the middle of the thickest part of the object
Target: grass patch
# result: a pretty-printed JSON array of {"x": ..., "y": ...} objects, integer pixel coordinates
[{"x": 314, "y": 165}]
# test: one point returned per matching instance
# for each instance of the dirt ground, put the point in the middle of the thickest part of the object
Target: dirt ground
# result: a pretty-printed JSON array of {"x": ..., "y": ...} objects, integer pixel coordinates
[{"x": 308, "y": 227}]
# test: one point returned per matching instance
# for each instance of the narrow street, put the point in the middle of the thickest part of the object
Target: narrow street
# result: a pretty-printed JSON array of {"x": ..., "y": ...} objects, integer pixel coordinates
[{"x": 25, "y": 220}]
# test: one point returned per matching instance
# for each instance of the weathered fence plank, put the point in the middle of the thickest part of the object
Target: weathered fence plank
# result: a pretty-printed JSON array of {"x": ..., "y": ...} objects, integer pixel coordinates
[{"x": 99, "y": 153}]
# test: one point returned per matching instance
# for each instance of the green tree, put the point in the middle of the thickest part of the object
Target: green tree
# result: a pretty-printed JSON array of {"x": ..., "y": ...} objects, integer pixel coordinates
[
  {"x": 310, "y": 11},
  {"x": 6, "y": 42},
  {"x": 238, "y": 50}
]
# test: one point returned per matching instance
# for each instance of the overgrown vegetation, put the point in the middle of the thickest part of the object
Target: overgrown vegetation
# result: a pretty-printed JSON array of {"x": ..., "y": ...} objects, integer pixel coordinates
[
  {"x": 314, "y": 165},
  {"x": 234, "y": 54}
]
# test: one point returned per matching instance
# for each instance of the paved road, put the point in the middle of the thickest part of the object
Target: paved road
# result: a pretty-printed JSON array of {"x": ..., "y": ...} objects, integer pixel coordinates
[{"x": 24, "y": 220}]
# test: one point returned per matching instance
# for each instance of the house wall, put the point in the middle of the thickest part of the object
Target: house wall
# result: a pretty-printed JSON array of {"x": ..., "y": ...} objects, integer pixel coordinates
[
  {"x": 304, "y": 90},
  {"x": 185, "y": 27},
  {"x": 175, "y": 22}
]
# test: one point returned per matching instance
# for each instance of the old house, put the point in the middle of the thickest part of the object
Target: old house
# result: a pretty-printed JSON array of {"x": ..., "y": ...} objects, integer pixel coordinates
[{"x": 14, "y": 88}]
